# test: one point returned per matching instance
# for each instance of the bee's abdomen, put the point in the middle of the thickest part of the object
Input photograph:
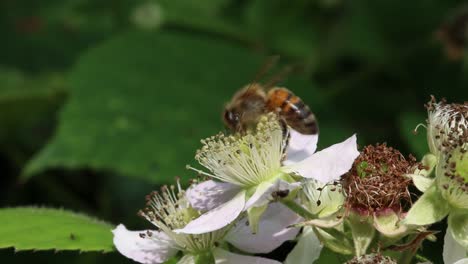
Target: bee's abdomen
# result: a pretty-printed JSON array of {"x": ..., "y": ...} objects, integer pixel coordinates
[{"x": 293, "y": 110}]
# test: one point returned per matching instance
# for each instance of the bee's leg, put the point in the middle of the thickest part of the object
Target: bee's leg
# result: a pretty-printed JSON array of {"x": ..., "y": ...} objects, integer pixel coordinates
[{"x": 286, "y": 136}]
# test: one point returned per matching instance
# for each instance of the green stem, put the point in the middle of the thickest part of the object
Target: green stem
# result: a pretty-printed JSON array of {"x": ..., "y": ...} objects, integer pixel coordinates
[
  {"x": 407, "y": 256},
  {"x": 298, "y": 209}
]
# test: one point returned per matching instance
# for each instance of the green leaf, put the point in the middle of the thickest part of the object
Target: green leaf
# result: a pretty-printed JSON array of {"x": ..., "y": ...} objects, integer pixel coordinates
[
  {"x": 26, "y": 103},
  {"x": 140, "y": 104},
  {"x": 30, "y": 228},
  {"x": 431, "y": 207},
  {"x": 416, "y": 141},
  {"x": 209, "y": 16}
]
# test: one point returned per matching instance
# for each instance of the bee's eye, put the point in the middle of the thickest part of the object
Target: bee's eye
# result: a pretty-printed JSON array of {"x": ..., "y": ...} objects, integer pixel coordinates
[{"x": 231, "y": 116}]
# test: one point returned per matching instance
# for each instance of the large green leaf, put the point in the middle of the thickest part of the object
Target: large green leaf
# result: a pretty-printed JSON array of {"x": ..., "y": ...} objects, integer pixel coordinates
[
  {"x": 141, "y": 102},
  {"x": 29, "y": 228},
  {"x": 27, "y": 104}
]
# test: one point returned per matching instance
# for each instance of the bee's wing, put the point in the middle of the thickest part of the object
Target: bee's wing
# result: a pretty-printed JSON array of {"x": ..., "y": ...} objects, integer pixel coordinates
[
  {"x": 279, "y": 77},
  {"x": 269, "y": 63}
]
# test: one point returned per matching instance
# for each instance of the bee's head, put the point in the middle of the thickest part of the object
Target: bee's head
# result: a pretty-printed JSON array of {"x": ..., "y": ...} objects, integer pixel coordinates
[{"x": 231, "y": 118}]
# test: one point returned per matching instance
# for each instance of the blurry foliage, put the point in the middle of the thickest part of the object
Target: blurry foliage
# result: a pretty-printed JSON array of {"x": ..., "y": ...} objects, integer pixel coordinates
[{"x": 134, "y": 100}]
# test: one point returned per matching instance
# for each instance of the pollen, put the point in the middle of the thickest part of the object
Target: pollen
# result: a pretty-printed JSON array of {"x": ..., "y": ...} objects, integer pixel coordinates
[
  {"x": 245, "y": 159},
  {"x": 168, "y": 210},
  {"x": 376, "y": 181}
]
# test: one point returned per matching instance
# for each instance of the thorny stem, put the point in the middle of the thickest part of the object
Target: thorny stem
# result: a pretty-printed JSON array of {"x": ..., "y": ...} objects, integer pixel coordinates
[{"x": 298, "y": 209}]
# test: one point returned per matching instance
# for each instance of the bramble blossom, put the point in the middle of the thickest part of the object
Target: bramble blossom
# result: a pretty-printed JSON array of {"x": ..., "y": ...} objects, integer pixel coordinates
[
  {"x": 247, "y": 171},
  {"x": 170, "y": 210}
]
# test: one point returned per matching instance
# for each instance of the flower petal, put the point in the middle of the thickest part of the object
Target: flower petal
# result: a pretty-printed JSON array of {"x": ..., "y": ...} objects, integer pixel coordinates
[
  {"x": 458, "y": 225},
  {"x": 217, "y": 218},
  {"x": 226, "y": 257},
  {"x": 264, "y": 191},
  {"x": 273, "y": 230},
  {"x": 452, "y": 250},
  {"x": 300, "y": 147},
  {"x": 210, "y": 194},
  {"x": 329, "y": 164},
  {"x": 431, "y": 207},
  {"x": 149, "y": 250},
  {"x": 307, "y": 250}
]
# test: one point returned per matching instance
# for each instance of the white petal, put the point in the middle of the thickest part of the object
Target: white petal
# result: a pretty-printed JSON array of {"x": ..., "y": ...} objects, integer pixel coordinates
[
  {"x": 273, "y": 230},
  {"x": 217, "y": 218},
  {"x": 210, "y": 194},
  {"x": 225, "y": 257},
  {"x": 307, "y": 250},
  {"x": 300, "y": 147},
  {"x": 462, "y": 261},
  {"x": 263, "y": 193},
  {"x": 329, "y": 164},
  {"x": 187, "y": 259},
  {"x": 149, "y": 250},
  {"x": 452, "y": 250}
]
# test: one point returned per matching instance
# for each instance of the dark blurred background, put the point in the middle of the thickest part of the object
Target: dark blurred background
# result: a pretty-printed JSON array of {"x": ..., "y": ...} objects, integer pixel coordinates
[{"x": 102, "y": 101}]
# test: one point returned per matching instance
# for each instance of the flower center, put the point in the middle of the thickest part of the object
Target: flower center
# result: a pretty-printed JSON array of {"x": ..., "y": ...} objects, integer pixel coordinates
[
  {"x": 169, "y": 210},
  {"x": 245, "y": 160},
  {"x": 376, "y": 181},
  {"x": 448, "y": 126}
]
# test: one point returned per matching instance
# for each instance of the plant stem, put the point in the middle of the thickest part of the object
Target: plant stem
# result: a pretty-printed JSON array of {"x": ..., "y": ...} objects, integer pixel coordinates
[
  {"x": 407, "y": 256},
  {"x": 298, "y": 209}
]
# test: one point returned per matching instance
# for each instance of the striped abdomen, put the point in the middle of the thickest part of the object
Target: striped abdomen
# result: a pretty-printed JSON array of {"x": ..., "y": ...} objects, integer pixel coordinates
[{"x": 290, "y": 107}]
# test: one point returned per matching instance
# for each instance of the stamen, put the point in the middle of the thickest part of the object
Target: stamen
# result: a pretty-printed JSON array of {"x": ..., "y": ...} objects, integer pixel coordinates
[
  {"x": 244, "y": 160},
  {"x": 169, "y": 210}
]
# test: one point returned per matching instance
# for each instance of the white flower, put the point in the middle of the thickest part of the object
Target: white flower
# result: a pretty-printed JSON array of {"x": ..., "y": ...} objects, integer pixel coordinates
[
  {"x": 250, "y": 170},
  {"x": 447, "y": 192},
  {"x": 170, "y": 210}
]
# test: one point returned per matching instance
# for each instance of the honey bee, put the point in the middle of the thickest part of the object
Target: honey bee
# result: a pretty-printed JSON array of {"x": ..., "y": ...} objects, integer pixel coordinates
[{"x": 255, "y": 99}]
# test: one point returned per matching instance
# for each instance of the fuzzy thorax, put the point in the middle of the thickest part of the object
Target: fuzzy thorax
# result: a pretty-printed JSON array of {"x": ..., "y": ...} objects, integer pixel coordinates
[{"x": 245, "y": 160}]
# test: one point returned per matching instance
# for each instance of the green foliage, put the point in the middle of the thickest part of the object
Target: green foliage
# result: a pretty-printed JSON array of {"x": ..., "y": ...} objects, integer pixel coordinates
[
  {"x": 29, "y": 228},
  {"x": 416, "y": 139},
  {"x": 27, "y": 104}
]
